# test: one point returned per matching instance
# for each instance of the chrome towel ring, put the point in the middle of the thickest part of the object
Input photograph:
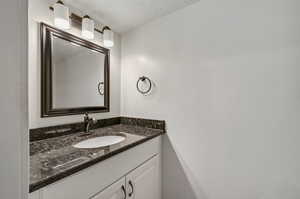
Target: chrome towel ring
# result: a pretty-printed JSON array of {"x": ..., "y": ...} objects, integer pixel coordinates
[
  {"x": 101, "y": 88},
  {"x": 146, "y": 80}
]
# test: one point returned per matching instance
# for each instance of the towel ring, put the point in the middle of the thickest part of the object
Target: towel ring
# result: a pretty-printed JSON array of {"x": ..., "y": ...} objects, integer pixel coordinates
[
  {"x": 143, "y": 79},
  {"x": 101, "y": 88}
]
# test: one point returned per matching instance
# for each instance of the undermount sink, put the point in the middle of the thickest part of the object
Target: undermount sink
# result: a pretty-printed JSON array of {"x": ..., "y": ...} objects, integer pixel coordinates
[{"x": 99, "y": 142}]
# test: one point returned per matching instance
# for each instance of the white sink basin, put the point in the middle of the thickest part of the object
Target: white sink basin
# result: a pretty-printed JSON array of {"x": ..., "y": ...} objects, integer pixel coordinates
[{"x": 99, "y": 142}]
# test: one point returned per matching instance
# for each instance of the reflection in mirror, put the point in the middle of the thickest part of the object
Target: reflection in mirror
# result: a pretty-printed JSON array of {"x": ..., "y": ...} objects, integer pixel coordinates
[
  {"x": 74, "y": 74},
  {"x": 77, "y": 73}
]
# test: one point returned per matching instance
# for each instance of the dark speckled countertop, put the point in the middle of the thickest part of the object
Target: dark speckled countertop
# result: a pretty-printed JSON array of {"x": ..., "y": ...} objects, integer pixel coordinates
[{"x": 55, "y": 158}]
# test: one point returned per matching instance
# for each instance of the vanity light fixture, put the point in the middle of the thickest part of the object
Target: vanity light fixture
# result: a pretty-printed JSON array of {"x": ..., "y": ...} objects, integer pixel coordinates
[
  {"x": 62, "y": 21},
  {"x": 108, "y": 37},
  {"x": 87, "y": 26},
  {"x": 61, "y": 15}
]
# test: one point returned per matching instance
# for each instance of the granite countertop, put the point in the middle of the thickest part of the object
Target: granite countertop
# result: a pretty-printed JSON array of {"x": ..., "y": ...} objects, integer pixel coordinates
[{"x": 55, "y": 158}]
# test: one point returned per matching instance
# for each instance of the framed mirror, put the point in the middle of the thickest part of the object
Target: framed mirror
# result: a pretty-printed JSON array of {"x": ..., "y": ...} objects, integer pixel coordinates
[{"x": 74, "y": 75}]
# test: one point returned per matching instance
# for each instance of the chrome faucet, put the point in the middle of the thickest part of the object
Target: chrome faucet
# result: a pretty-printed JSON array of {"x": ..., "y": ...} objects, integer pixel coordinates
[{"x": 87, "y": 122}]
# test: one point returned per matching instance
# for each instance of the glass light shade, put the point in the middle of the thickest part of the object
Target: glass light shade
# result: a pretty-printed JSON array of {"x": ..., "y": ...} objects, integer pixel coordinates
[
  {"x": 108, "y": 38},
  {"x": 87, "y": 28},
  {"x": 61, "y": 16}
]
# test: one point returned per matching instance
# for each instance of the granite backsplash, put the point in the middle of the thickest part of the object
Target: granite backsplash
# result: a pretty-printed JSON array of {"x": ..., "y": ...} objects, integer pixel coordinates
[{"x": 67, "y": 129}]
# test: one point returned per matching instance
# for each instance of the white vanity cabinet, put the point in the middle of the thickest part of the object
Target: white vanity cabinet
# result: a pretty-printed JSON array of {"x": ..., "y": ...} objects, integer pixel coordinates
[
  {"x": 144, "y": 182},
  {"x": 135, "y": 172},
  {"x": 34, "y": 195},
  {"x": 114, "y": 191},
  {"x": 141, "y": 183}
]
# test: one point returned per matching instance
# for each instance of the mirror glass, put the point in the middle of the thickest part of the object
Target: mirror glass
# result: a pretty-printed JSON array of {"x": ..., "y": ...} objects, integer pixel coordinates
[{"x": 77, "y": 75}]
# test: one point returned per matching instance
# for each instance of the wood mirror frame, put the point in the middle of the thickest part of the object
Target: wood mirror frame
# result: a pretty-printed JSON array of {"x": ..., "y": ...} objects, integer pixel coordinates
[{"x": 47, "y": 110}]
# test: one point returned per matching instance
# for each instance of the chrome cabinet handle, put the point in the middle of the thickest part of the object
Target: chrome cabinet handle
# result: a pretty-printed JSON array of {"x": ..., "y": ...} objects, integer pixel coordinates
[
  {"x": 130, "y": 194},
  {"x": 124, "y": 191}
]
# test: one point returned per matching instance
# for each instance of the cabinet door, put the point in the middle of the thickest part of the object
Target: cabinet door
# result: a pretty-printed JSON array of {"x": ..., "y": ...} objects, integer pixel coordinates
[
  {"x": 144, "y": 182},
  {"x": 34, "y": 195},
  {"x": 114, "y": 191}
]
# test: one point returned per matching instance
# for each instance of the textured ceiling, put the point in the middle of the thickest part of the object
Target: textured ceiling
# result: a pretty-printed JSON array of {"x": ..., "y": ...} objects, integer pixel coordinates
[{"x": 124, "y": 15}]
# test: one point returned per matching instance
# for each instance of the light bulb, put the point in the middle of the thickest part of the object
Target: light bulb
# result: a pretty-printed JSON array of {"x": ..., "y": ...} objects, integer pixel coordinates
[
  {"x": 108, "y": 38},
  {"x": 87, "y": 27},
  {"x": 61, "y": 15}
]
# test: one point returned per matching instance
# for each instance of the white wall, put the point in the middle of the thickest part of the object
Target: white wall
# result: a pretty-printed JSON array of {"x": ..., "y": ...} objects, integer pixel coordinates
[
  {"x": 227, "y": 83},
  {"x": 13, "y": 100},
  {"x": 39, "y": 12}
]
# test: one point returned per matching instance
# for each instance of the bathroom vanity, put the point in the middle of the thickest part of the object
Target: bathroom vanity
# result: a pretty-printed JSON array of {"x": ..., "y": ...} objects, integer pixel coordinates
[
  {"x": 128, "y": 169},
  {"x": 114, "y": 158}
]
